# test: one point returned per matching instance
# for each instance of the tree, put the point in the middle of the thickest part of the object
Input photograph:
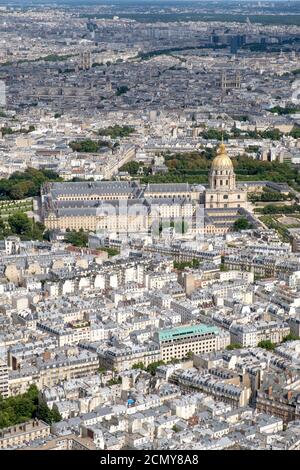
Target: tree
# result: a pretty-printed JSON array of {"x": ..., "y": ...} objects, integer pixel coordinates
[
  {"x": 122, "y": 90},
  {"x": 232, "y": 346},
  {"x": 87, "y": 146},
  {"x": 110, "y": 251},
  {"x": 290, "y": 337},
  {"x": 267, "y": 344},
  {"x": 25, "y": 184},
  {"x": 116, "y": 131},
  {"x": 17, "y": 192},
  {"x": 44, "y": 413},
  {"x": 295, "y": 132},
  {"x": 241, "y": 224},
  {"x": 151, "y": 368},
  {"x": 20, "y": 223},
  {"x": 2, "y": 226},
  {"x": 37, "y": 231},
  {"x": 47, "y": 235},
  {"x": 190, "y": 355},
  {"x": 114, "y": 381},
  {"x": 273, "y": 134},
  {"x": 138, "y": 365},
  {"x": 55, "y": 415},
  {"x": 215, "y": 134},
  {"x": 175, "y": 428},
  {"x": 77, "y": 238},
  {"x": 131, "y": 167},
  {"x": 283, "y": 111},
  {"x": 195, "y": 263},
  {"x": 6, "y": 131},
  {"x": 20, "y": 408}
]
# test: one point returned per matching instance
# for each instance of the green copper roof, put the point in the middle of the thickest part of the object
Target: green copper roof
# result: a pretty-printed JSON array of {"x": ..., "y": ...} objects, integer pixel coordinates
[{"x": 183, "y": 331}]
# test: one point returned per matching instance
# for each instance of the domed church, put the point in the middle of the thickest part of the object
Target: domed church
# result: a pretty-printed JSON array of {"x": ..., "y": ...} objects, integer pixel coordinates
[{"x": 223, "y": 193}]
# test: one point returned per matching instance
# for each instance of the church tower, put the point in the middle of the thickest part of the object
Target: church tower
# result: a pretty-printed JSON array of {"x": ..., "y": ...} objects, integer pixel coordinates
[{"x": 223, "y": 191}]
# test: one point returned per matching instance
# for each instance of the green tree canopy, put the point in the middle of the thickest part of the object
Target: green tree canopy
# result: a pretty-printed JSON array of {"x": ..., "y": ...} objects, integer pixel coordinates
[
  {"x": 20, "y": 223},
  {"x": 20, "y": 408},
  {"x": 25, "y": 184},
  {"x": 79, "y": 239},
  {"x": 232, "y": 346},
  {"x": 131, "y": 167},
  {"x": 121, "y": 90},
  {"x": 267, "y": 344},
  {"x": 116, "y": 131},
  {"x": 241, "y": 224},
  {"x": 290, "y": 337}
]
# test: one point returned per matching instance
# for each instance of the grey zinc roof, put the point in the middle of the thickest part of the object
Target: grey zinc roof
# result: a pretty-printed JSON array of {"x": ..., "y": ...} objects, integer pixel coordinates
[
  {"x": 95, "y": 187},
  {"x": 167, "y": 187},
  {"x": 86, "y": 208}
]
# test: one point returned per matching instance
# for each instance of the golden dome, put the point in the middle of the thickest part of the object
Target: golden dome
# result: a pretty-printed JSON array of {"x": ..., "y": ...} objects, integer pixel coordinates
[{"x": 222, "y": 161}]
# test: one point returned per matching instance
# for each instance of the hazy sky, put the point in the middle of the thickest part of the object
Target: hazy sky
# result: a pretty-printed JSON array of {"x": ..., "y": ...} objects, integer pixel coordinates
[{"x": 168, "y": 3}]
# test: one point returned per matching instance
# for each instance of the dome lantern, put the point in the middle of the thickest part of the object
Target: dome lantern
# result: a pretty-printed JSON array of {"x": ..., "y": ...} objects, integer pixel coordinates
[{"x": 222, "y": 161}]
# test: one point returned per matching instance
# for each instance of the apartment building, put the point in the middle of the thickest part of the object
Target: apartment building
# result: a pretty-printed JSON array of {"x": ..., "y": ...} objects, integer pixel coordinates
[
  {"x": 227, "y": 391},
  {"x": 251, "y": 335},
  {"x": 73, "y": 332},
  {"x": 3, "y": 379},
  {"x": 123, "y": 358},
  {"x": 51, "y": 368},
  {"x": 177, "y": 343},
  {"x": 17, "y": 435},
  {"x": 284, "y": 404},
  {"x": 68, "y": 442}
]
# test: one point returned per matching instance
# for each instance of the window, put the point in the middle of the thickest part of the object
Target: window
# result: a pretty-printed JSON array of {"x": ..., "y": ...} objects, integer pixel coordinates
[
  {"x": 225, "y": 196},
  {"x": 239, "y": 197}
]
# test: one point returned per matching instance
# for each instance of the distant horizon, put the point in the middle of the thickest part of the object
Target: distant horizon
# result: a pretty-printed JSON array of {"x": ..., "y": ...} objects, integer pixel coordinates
[
  {"x": 164, "y": 3},
  {"x": 114, "y": 2}
]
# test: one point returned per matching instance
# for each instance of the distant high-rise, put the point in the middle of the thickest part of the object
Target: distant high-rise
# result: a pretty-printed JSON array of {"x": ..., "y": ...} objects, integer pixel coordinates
[{"x": 236, "y": 42}]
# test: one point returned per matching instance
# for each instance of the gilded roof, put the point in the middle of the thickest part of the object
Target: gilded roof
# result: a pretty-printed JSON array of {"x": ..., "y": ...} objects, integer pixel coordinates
[{"x": 222, "y": 161}]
